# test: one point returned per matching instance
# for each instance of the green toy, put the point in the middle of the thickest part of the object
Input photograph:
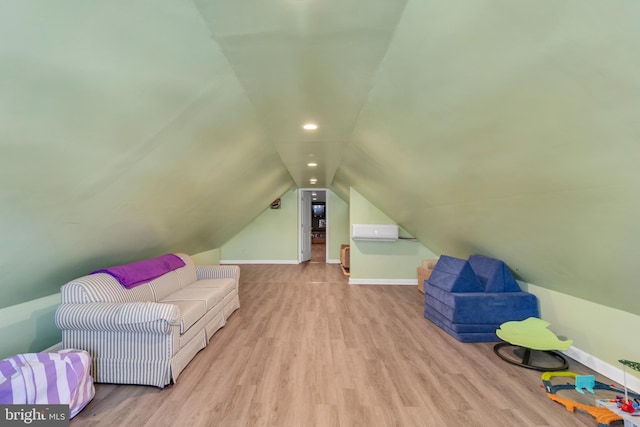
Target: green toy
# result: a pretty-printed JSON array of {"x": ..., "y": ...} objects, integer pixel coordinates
[{"x": 531, "y": 334}]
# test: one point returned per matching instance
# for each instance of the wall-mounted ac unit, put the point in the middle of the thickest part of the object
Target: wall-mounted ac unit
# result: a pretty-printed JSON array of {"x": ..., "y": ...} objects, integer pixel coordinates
[{"x": 378, "y": 232}]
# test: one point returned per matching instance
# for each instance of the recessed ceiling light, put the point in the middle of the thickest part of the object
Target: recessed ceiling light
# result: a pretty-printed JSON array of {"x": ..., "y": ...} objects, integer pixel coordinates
[
  {"x": 312, "y": 164},
  {"x": 310, "y": 126},
  {"x": 313, "y": 180},
  {"x": 315, "y": 198}
]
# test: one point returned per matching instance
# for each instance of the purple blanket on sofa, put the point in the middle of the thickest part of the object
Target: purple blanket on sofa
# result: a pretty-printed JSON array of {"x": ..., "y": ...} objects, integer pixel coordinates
[{"x": 136, "y": 273}]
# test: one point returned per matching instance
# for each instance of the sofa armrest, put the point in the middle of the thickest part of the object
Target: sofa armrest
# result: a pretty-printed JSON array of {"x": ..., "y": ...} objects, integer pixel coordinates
[
  {"x": 218, "y": 272},
  {"x": 132, "y": 317}
]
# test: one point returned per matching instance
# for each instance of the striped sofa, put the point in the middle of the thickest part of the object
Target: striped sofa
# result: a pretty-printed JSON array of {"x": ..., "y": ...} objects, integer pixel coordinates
[{"x": 148, "y": 334}]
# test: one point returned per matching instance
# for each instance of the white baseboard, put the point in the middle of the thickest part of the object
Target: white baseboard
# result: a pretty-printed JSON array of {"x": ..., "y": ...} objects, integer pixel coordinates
[
  {"x": 259, "y": 261},
  {"x": 604, "y": 368},
  {"x": 333, "y": 261},
  {"x": 413, "y": 282}
]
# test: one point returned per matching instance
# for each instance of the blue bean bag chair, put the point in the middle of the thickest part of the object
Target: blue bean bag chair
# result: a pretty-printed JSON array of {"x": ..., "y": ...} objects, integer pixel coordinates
[{"x": 470, "y": 299}]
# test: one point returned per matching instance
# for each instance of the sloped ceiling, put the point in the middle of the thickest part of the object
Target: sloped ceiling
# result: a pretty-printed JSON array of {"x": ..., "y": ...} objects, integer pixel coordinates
[
  {"x": 502, "y": 128},
  {"x": 509, "y": 129},
  {"x": 125, "y": 133},
  {"x": 305, "y": 61}
]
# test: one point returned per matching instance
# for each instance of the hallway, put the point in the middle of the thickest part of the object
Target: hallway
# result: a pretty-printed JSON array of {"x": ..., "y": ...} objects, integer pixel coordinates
[{"x": 319, "y": 252}]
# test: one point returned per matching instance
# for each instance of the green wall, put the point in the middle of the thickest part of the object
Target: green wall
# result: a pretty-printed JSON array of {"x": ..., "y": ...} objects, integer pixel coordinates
[
  {"x": 29, "y": 327},
  {"x": 211, "y": 257},
  {"x": 338, "y": 220},
  {"x": 396, "y": 261},
  {"x": 600, "y": 331},
  {"x": 271, "y": 236}
]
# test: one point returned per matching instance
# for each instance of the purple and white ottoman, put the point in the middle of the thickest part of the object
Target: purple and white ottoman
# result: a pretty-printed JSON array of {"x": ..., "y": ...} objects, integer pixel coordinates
[{"x": 60, "y": 377}]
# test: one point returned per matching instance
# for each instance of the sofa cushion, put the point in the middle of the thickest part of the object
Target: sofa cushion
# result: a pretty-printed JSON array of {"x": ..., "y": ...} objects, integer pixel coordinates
[
  {"x": 494, "y": 275},
  {"x": 454, "y": 275},
  {"x": 164, "y": 285},
  {"x": 190, "y": 312},
  {"x": 430, "y": 311},
  {"x": 187, "y": 274},
  {"x": 460, "y": 336},
  {"x": 209, "y": 296},
  {"x": 482, "y": 308},
  {"x": 226, "y": 285}
]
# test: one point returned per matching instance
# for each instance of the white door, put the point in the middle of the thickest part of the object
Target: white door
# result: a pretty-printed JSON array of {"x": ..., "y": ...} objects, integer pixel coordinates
[{"x": 305, "y": 226}]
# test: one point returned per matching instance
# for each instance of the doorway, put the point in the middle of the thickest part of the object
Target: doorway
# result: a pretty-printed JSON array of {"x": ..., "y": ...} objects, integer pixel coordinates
[{"x": 313, "y": 225}]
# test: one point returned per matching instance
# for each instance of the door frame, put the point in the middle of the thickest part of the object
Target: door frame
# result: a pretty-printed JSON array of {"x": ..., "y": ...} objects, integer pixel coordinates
[{"x": 326, "y": 209}]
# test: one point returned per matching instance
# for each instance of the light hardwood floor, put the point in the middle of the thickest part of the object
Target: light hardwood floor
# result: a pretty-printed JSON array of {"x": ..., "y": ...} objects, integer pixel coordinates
[{"x": 308, "y": 349}]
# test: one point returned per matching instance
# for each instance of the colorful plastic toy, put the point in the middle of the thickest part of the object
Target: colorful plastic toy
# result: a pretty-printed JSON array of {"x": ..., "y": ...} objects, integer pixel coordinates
[
  {"x": 585, "y": 382},
  {"x": 626, "y": 404},
  {"x": 603, "y": 416}
]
